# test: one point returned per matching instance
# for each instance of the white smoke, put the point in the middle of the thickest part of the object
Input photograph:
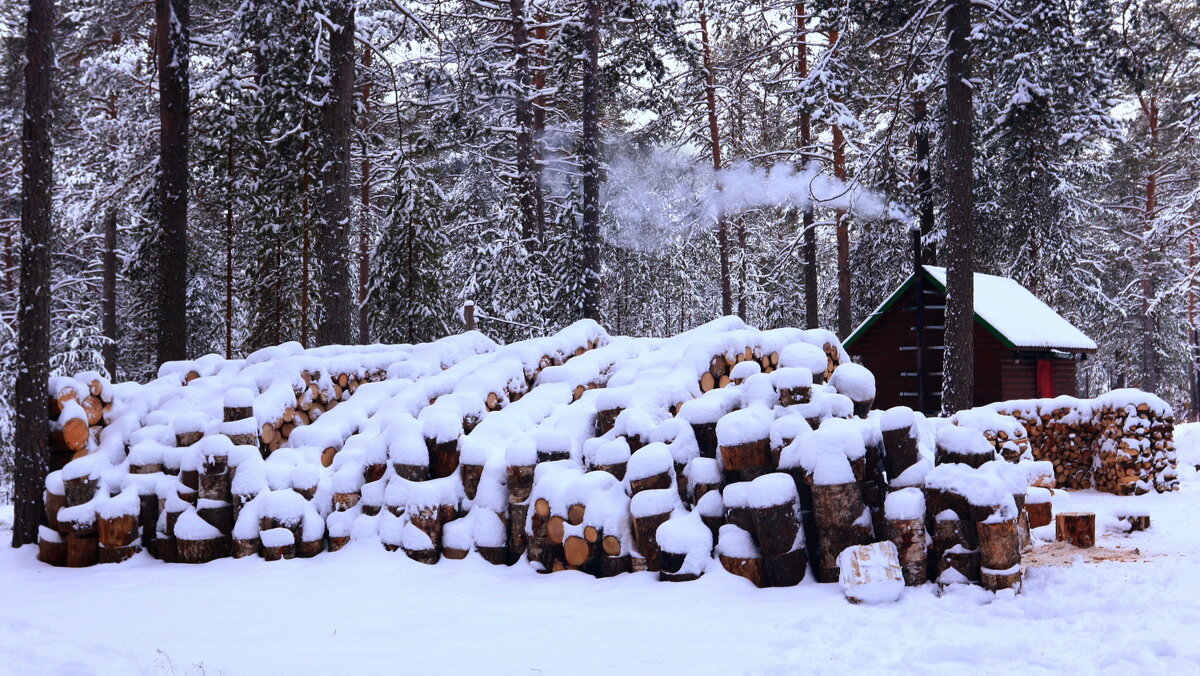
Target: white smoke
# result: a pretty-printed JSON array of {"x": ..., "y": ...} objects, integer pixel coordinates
[{"x": 664, "y": 195}]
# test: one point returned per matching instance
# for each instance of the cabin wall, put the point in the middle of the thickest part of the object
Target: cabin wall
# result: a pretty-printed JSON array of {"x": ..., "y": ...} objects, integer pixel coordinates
[{"x": 1000, "y": 373}]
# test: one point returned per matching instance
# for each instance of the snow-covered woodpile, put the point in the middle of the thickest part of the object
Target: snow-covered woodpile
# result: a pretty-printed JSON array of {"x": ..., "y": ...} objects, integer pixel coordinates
[
  {"x": 722, "y": 446},
  {"x": 1121, "y": 442}
]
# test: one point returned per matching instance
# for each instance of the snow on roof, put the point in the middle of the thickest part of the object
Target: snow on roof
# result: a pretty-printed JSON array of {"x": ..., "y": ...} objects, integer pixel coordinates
[
  {"x": 1009, "y": 309},
  {"x": 1018, "y": 315}
]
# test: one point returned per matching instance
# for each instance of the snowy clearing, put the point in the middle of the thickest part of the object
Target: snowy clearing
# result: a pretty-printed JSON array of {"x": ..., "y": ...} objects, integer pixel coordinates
[{"x": 370, "y": 611}]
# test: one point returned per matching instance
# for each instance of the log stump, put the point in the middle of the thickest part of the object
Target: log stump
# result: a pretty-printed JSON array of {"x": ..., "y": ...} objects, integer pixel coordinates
[{"x": 1077, "y": 528}]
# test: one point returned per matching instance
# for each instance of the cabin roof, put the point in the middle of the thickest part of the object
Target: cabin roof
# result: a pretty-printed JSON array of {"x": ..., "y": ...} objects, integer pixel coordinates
[{"x": 1010, "y": 311}]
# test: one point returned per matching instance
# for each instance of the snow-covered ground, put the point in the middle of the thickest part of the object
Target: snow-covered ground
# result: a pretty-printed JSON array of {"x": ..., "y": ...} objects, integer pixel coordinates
[{"x": 364, "y": 610}]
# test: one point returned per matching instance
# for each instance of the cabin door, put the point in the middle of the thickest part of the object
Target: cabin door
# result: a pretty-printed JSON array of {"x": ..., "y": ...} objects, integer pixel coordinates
[{"x": 1045, "y": 378}]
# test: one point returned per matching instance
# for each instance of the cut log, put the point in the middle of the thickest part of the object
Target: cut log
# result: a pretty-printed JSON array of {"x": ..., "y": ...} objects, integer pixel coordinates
[
  {"x": 71, "y": 434},
  {"x": 1077, "y": 528},
  {"x": 578, "y": 551},
  {"x": 611, "y": 566},
  {"x": 652, "y": 482},
  {"x": 776, "y": 527},
  {"x": 443, "y": 458},
  {"x": 1040, "y": 513},
  {"x": 80, "y": 489},
  {"x": 247, "y": 547},
  {"x": 787, "y": 569},
  {"x": 118, "y": 531},
  {"x": 753, "y": 456},
  {"x": 749, "y": 568},
  {"x": 999, "y": 544},
  {"x": 201, "y": 551},
  {"x": 52, "y": 504},
  {"x": 471, "y": 474},
  {"x": 52, "y": 549},
  {"x": 1136, "y": 521},
  {"x": 909, "y": 537},
  {"x": 517, "y": 515},
  {"x": 871, "y": 573},
  {"x": 118, "y": 554},
  {"x": 520, "y": 483},
  {"x": 837, "y": 505}
]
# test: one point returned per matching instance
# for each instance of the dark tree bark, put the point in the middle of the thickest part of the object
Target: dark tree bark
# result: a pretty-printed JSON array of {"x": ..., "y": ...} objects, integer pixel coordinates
[
  {"x": 229, "y": 249},
  {"x": 1149, "y": 356},
  {"x": 590, "y": 152},
  {"x": 714, "y": 140},
  {"x": 33, "y": 315},
  {"x": 528, "y": 184},
  {"x": 333, "y": 203},
  {"x": 811, "y": 302},
  {"x": 924, "y": 179},
  {"x": 843, "y": 229},
  {"x": 958, "y": 388},
  {"x": 108, "y": 293},
  {"x": 171, "y": 45},
  {"x": 364, "y": 226}
]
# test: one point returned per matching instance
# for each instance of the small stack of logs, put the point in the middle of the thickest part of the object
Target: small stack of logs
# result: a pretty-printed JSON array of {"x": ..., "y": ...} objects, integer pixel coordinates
[
  {"x": 1136, "y": 449},
  {"x": 721, "y": 366},
  {"x": 78, "y": 408},
  {"x": 1121, "y": 442},
  {"x": 312, "y": 400}
]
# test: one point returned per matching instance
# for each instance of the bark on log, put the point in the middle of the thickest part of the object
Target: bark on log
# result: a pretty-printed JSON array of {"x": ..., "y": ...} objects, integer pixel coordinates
[
  {"x": 119, "y": 531},
  {"x": 1040, "y": 513},
  {"x": 652, "y": 482},
  {"x": 247, "y": 547},
  {"x": 1077, "y": 528},
  {"x": 787, "y": 569},
  {"x": 117, "y": 554},
  {"x": 52, "y": 551},
  {"x": 520, "y": 483},
  {"x": 999, "y": 544},
  {"x": 517, "y": 515},
  {"x": 751, "y": 569},
  {"x": 201, "y": 551},
  {"x": 776, "y": 528},
  {"x": 645, "y": 533},
  {"x": 443, "y": 458},
  {"x": 909, "y": 537},
  {"x": 837, "y": 505}
]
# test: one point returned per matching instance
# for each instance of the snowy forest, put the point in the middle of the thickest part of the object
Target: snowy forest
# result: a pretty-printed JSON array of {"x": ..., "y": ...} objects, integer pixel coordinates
[{"x": 356, "y": 171}]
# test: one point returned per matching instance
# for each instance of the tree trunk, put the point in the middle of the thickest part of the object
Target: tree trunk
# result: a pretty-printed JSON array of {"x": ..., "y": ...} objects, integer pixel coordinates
[
  {"x": 590, "y": 152},
  {"x": 714, "y": 140},
  {"x": 843, "y": 230},
  {"x": 1149, "y": 342},
  {"x": 229, "y": 249},
  {"x": 108, "y": 300},
  {"x": 811, "y": 302},
  {"x": 364, "y": 225},
  {"x": 333, "y": 203},
  {"x": 958, "y": 389},
  {"x": 171, "y": 44},
  {"x": 924, "y": 177},
  {"x": 33, "y": 315},
  {"x": 527, "y": 183}
]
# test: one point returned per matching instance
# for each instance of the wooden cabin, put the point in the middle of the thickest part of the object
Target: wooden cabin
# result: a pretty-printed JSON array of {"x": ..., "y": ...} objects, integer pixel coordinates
[{"x": 1023, "y": 349}]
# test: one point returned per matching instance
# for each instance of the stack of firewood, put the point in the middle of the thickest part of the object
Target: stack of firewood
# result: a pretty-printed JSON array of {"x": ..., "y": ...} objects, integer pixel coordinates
[
  {"x": 506, "y": 457},
  {"x": 78, "y": 410},
  {"x": 1121, "y": 442},
  {"x": 1136, "y": 448},
  {"x": 1061, "y": 431}
]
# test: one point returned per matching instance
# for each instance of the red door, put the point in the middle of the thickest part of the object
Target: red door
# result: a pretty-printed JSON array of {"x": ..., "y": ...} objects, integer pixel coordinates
[{"x": 1045, "y": 378}]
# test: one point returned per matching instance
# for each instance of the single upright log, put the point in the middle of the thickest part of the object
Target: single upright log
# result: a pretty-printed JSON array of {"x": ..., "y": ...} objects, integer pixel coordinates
[
  {"x": 1077, "y": 528},
  {"x": 999, "y": 554}
]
